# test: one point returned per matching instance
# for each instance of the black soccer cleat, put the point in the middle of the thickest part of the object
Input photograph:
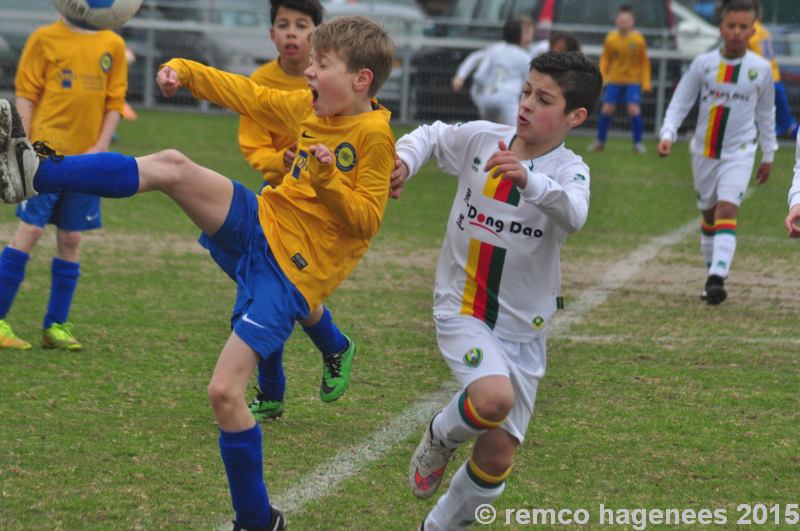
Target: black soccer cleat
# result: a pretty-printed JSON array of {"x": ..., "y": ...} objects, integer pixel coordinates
[
  {"x": 18, "y": 158},
  {"x": 715, "y": 290},
  {"x": 277, "y": 522}
]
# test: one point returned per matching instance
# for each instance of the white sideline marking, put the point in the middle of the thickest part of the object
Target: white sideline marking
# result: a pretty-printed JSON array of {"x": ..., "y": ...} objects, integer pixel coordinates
[{"x": 323, "y": 479}]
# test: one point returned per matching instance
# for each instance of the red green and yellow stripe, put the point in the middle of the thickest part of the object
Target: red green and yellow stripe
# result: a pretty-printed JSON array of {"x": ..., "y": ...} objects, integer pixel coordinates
[
  {"x": 484, "y": 271},
  {"x": 706, "y": 229},
  {"x": 471, "y": 417},
  {"x": 483, "y": 479},
  {"x": 725, "y": 226},
  {"x": 715, "y": 132},
  {"x": 728, "y": 73},
  {"x": 501, "y": 189}
]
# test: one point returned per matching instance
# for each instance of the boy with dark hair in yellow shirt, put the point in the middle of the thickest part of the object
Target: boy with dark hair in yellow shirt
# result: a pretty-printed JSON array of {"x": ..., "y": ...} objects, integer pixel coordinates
[
  {"x": 272, "y": 153},
  {"x": 626, "y": 74},
  {"x": 70, "y": 87},
  {"x": 296, "y": 242}
]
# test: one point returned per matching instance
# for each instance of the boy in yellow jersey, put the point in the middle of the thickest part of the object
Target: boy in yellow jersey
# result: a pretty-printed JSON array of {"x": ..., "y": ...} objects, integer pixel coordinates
[
  {"x": 626, "y": 73},
  {"x": 296, "y": 243},
  {"x": 272, "y": 153},
  {"x": 70, "y": 88},
  {"x": 761, "y": 43}
]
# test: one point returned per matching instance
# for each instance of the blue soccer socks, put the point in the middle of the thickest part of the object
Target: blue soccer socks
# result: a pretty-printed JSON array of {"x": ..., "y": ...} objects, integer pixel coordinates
[
  {"x": 603, "y": 125},
  {"x": 241, "y": 454},
  {"x": 103, "y": 174},
  {"x": 271, "y": 378},
  {"x": 326, "y": 335},
  {"x": 62, "y": 289},
  {"x": 12, "y": 273},
  {"x": 637, "y": 128}
]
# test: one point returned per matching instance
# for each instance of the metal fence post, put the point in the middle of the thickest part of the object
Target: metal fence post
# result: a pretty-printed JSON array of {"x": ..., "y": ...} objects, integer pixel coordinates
[{"x": 661, "y": 94}]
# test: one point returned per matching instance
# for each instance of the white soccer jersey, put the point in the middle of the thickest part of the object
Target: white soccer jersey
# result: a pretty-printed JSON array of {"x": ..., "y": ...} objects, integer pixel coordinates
[
  {"x": 500, "y": 259},
  {"x": 794, "y": 191},
  {"x": 503, "y": 67},
  {"x": 736, "y": 106}
]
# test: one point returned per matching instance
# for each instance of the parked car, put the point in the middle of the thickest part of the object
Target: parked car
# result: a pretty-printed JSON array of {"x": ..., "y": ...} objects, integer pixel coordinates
[{"x": 693, "y": 34}]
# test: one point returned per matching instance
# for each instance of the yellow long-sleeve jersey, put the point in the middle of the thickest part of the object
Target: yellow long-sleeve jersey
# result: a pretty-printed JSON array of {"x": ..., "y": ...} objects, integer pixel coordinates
[
  {"x": 263, "y": 149},
  {"x": 73, "y": 79},
  {"x": 624, "y": 60},
  {"x": 320, "y": 221},
  {"x": 761, "y": 43}
]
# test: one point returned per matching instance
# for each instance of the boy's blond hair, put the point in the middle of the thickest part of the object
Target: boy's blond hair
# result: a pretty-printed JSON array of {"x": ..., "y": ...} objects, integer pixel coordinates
[{"x": 361, "y": 43}]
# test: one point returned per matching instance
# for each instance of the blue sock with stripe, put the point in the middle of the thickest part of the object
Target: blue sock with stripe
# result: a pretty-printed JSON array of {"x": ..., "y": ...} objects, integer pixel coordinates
[
  {"x": 241, "y": 454},
  {"x": 62, "y": 289},
  {"x": 103, "y": 174},
  {"x": 326, "y": 335},
  {"x": 12, "y": 273},
  {"x": 603, "y": 125},
  {"x": 271, "y": 378},
  {"x": 637, "y": 128}
]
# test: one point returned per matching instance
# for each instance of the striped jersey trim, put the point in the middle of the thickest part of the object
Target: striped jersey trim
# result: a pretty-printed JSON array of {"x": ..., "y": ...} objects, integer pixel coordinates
[
  {"x": 715, "y": 132},
  {"x": 501, "y": 189},
  {"x": 728, "y": 73},
  {"x": 484, "y": 272}
]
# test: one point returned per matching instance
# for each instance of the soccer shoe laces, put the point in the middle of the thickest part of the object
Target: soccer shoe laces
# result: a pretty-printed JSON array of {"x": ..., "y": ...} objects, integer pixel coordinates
[
  {"x": 334, "y": 364},
  {"x": 46, "y": 152},
  {"x": 260, "y": 397}
]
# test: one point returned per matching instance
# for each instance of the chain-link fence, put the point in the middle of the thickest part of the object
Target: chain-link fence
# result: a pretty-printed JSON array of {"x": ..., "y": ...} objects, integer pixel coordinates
[{"x": 417, "y": 91}]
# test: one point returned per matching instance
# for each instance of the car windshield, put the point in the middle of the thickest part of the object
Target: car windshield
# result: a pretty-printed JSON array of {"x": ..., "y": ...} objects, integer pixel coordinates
[{"x": 649, "y": 13}]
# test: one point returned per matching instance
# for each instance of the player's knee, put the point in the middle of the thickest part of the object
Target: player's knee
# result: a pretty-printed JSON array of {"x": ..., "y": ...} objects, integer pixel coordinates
[
  {"x": 69, "y": 240},
  {"x": 495, "y": 455},
  {"x": 493, "y": 401},
  {"x": 221, "y": 396},
  {"x": 173, "y": 164}
]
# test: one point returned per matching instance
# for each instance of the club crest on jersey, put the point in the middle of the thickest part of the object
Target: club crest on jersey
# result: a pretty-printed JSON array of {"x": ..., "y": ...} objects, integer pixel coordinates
[
  {"x": 105, "y": 62},
  {"x": 473, "y": 357},
  {"x": 538, "y": 322},
  {"x": 345, "y": 156},
  {"x": 752, "y": 74}
]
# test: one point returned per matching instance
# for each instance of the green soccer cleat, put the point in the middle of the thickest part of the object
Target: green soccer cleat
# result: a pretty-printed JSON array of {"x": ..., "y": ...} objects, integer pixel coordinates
[
  {"x": 60, "y": 336},
  {"x": 336, "y": 372},
  {"x": 9, "y": 340},
  {"x": 263, "y": 409}
]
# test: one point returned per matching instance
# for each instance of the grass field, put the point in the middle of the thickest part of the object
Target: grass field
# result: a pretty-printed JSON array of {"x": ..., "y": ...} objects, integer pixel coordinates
[{"x": 652, "y": 399}]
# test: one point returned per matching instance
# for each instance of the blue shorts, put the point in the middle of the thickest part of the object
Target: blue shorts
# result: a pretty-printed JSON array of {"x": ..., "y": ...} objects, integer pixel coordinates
[
  {"x": 267, "y": 303},
  {"x": 66, "y": 210},
  {"x": 622, "y": 94}
]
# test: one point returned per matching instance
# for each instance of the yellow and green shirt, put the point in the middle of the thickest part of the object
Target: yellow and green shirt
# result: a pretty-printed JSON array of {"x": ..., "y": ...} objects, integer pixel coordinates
[
  {"x": 624, "y": 60},
  {"x": 320, "y": 221},
  {"x": 761, "y": 43},
  {"x": 263, "y": 149},
  {"x": 73, "y": 79}
]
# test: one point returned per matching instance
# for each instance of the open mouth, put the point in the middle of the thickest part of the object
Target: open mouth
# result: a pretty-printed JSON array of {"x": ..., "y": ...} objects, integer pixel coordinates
[{"x": 314, "y": 95}]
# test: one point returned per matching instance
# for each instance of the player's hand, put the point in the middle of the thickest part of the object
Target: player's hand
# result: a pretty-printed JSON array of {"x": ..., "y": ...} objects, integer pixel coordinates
[
  {"x": 504, "y": 164},
  {"x": 457, "y": 83},
  {"x": 398, "y": 179},
  {"x": 289, "y": 155},
  {"x": 763, "y": 172},
  {"x": 664, "y": 148},
  {"x": 167, "y": 81},
  {"x": 321, "y": 153},
  {"x": 791, "y": 222}
]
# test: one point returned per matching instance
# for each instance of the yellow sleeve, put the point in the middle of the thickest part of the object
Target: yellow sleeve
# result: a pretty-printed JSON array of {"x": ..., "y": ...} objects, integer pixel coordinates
[
  {"x": 117, "y": 80},
  {"x": 360, "y": 208},
  {"x": 30, "y": 79},
  {"x": 275, "y": 110},
  {"x": 645, "y": 62},
  {"x": 256, "y": 145},
  {"x": 605, "y": 64}
]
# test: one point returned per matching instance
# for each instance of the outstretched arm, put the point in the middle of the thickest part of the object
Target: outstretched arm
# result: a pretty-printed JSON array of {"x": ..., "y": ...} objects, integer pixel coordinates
[{"x": 682, "y": 101}]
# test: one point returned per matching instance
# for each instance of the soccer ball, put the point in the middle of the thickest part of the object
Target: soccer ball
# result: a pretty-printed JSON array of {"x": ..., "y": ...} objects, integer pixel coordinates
[{"x": 97, "y": 14}]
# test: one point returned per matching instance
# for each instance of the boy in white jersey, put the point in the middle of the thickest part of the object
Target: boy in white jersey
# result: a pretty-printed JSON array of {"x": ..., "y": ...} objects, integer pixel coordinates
[
  {"x": 501, "y": 71},
  {"x": 520, "y": 193},
  {"x": 736, "y": 107},
  {"x": 794, "y": 200}
]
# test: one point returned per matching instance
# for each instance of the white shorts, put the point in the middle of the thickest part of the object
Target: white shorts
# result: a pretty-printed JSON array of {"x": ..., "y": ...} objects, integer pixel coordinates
[
  {"x": 499, "y": 107},
  {"x": 721, "y": 180},
  {"x": 472, "y": 351}
]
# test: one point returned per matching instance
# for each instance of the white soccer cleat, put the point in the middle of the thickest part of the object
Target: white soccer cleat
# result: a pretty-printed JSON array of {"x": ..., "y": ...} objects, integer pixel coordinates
[
  {"x": 18, "y": 160},
  {"x": 428, "y": 464},
  {"x": 640, "y": 148}
]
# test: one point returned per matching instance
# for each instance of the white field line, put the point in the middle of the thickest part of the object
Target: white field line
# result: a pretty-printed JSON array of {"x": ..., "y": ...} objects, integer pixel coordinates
[
  {"x": 626, "y": 338},
  {"x": 322, "y": 481}
]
